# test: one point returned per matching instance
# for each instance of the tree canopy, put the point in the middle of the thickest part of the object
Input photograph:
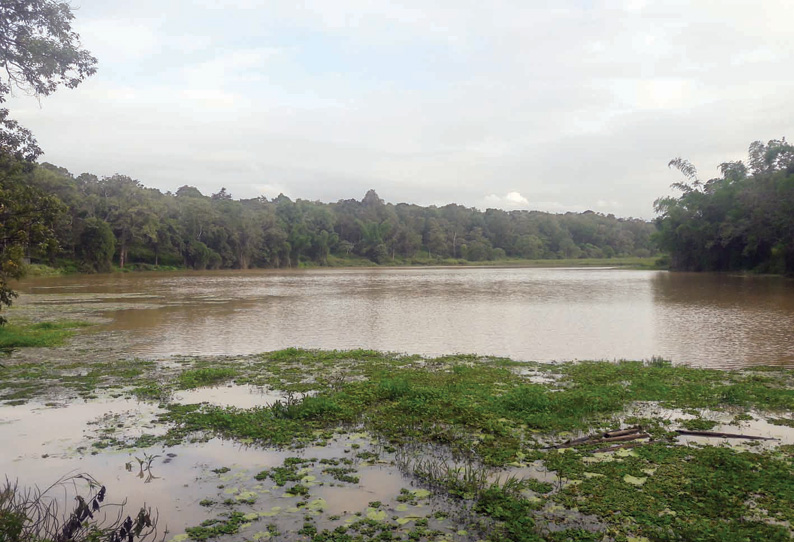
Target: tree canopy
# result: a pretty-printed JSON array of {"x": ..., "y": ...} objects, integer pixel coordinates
[
  {"x": 742, "y": 220},
  {"x": 149, "y": 227},
  {"x": 39, "y": 52}
]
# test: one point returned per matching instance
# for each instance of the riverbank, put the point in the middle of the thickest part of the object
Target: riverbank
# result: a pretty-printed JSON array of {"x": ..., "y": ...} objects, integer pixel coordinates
[
  {"x": 343, "y": 445},
  {"x": 629, "y": 262}
]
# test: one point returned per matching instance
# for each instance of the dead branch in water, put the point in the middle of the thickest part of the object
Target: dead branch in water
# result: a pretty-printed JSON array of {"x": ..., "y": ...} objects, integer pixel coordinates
[{"x": 618, "y": 435}]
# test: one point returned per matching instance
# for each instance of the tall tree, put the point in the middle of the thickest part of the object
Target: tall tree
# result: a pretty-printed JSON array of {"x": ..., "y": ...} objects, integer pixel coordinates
[
  {"x": 27, "y": 217},
  {"x": 39, "y": 52},
  {"x": 739, "y": 221}
]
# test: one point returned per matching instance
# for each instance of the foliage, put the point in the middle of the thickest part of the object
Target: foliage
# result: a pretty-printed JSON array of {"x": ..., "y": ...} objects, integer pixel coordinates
[
  {"x": 97, "y": 245},
  {"x": 39, "y": 52},
  {"x": 448, "y": 400},
  {"x": 743, "y": 220},
  {"x": 27, "y": 221}
]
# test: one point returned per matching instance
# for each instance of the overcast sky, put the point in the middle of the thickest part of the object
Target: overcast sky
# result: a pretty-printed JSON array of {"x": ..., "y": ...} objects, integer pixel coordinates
[{"x": 557, "y": 106}]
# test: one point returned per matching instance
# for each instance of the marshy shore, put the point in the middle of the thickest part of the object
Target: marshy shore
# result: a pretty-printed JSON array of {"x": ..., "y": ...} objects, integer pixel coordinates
[{"x": 363, "y": 445}]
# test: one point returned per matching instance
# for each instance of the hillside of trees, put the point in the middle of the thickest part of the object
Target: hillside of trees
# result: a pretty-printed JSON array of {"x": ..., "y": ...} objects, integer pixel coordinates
[
  {"x": 117, "y": 221},
  {"x": 741, "y": 221}
]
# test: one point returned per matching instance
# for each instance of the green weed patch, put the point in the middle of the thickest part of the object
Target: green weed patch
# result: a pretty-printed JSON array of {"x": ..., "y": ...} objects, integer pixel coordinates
[{"x": 41, "y": 334}]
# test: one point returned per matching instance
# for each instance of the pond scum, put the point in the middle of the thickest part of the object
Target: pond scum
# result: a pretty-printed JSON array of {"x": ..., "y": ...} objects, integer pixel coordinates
[{"x": 377, "y": 446}]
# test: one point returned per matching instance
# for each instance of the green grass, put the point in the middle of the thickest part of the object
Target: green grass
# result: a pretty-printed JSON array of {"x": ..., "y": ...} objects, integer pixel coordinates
[
  {"x": 207, "y": 376},
  {"x": 41, "y": 334}
]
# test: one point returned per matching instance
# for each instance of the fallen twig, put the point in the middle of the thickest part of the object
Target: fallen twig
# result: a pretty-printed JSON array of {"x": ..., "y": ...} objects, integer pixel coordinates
[
  {"x": 629, "y": 431},
  {"x": 622, "y": 435},
  {"x": 721, "y": 435},
  {"x": 622, "y": 438}
]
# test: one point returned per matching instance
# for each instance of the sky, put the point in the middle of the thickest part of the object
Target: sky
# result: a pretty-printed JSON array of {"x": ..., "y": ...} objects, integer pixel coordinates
[{"x": 514, "y": 104}]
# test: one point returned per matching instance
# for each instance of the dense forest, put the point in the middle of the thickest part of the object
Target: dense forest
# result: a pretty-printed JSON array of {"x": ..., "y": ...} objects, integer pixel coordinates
[
  {"x": 743, "y": 220},
  {"x": 100, "y": 222}
]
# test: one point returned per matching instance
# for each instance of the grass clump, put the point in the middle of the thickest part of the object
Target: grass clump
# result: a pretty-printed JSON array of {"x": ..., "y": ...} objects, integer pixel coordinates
[
  {"x": 342, "y": 474},
  {"x": 699, "y": 424},
  {"x": 512, "y": 513},
  {"x": 206, "y": 376},
  {"x": 213, "y": 528},
  {"x": 41, "y": 334},
  {"x": 298, "y": 489},
  {"x": 287, "y": 473}
]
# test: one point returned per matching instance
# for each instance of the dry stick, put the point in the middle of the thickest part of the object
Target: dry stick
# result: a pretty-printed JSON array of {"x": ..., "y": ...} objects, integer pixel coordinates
[
  {"x": 589, "y": 439},
  {"x": 629, "y": 431},
  {"x": 599, "y": 440},
  {"x": 721, "y": 435},
  {"x": 624, "y": 438}
]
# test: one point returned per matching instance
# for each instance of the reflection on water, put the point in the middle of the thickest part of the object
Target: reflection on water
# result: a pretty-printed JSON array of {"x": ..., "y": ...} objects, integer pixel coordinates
[
  {"x": 723, "y": 320},
  {"x": 229, "y": 396},
  {"x": 529, "y": 314}
]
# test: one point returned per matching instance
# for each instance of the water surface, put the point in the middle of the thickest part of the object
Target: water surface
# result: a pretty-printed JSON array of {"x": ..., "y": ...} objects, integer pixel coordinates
[{"x": 526, "y": 314}]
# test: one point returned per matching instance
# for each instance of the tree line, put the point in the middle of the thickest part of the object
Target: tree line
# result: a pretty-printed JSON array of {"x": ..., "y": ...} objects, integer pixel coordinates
[
  {"x": 100, "y": 222},
  {"x": 742, "y": 220}
]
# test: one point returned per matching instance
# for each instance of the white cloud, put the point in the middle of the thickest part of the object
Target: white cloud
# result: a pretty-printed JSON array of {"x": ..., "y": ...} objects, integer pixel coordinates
[
  {"x": 428, "y": 101},
  {"x": 511, "y": 200}
]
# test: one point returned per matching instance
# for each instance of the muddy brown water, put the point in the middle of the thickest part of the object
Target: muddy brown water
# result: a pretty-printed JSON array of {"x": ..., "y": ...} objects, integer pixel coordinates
[
  {"x": 43, "y": 443},
  {"x": 705, "y": 320}
]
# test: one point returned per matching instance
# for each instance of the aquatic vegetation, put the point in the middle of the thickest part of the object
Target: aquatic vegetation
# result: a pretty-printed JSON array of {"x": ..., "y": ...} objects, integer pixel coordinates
[
  {"x": 512, "y": 512},
  {"x": 207, "y": 376},
  {"x": 213, "y": 528},
  {"x": 707, "y": 493},
  {"x": 40, "y": 334},
  {"x": 451, "y": 425}
]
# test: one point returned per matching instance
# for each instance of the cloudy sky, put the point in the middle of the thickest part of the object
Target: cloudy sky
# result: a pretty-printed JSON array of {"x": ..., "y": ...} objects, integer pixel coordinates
[{"x": 516, "y": 104}]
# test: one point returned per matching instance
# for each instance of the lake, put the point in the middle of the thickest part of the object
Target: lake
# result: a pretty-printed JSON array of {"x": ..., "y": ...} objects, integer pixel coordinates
[{"x": 546, "y": 314}]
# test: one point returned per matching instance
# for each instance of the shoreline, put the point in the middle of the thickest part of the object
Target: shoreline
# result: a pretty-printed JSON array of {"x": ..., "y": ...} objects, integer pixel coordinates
[{"x": 632, "y": 263}]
